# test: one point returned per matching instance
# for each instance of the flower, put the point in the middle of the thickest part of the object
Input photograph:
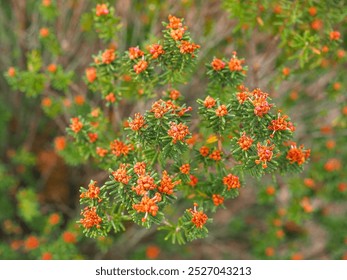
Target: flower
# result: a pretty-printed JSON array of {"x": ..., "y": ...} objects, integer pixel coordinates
[
  {"x": 140, "y": 66},
  {"x": 317, "y": 24},
  {"x": 174, "y": 22},
  {"x": 242, "y": 96},
  {"x": 76, "y": 125},
  {"x": 108, "y": 56},
  {"x": 193, "y": 180},
  {"x": 69, "y": 237},
  {"x": 217, "y": 64},
  {"x": 166, "y": 184},
  {"x": 152, "y": 252},
  {"x": 269, "y": 251},
  {"x": 312, "y": 11},
  {"x": 177, "y": 34},
  {"x": 231, "y": 181},
  {"x": 119, "y": 148},
  {"x": 306, "y": 205},
  {"x": 137, "y": 123},
  {"x": 46, "y": 256},
  {"x": 120, "y": 175},
  {"x": 79, "y": 99},
  {"x": 92, "y": 192},
  {"x": 101, "y": 10},
  {"x": 235, "y": 64},
  {"x": 144, "y": 183},
  {"x": 135, "y": 52},
  {"x": 298, "y": 155},
  {"x": 101, "y": 152},
  {"x": 199, "y": 218},
  {"x": 286, "y": 71},
  {"x": 217, "y": 199},
  {"x": 11, "y": 72},
  {"x": 333, "y": 164},
  {"x": 265, "y": 154},
  {"x": 204, "y": 151},
  {"x": 280, "y": 124},
  {"x": 54, "y": 219},
  {"x": 91, "y": 74},
  {"x": 46, "y": 102},
  {"x": 52, "y": 68},
  {"x": 140, "y": 168},
  {"x": 178, "y": 131},
  {"x": 110, "y": 97},
  {"x": 148, "y": 205},
  {"x": 44, "y": 32},
  {"x": 188, "y": 47},
  {"x": 334, "y": 35},
  {"x": 245, "y": 142},
  {"x": 209, "y": 102},
  {"x": 46, "y": 3},
  {"x": 216, "y": 155},
  {"x": 156, "y": 50},
  {"x": 174, "y": 94},
  {"x": 31, "y": 243},
  {"x": 185, "y": 168},
  {"x": 309, "y": 182},
  {"x": 270, "y": 190},
  {"x": 221, "y": 111},
  {"x": 260, "y": 103},
  {"x": 90, "y": 218}
]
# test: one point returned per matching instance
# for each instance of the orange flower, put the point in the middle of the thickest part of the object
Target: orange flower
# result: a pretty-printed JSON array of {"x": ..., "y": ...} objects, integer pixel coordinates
[
  {"x": 264, "y": 153},
  {"x": 31, "y": 243},
  {"x": 261, "y": 105},
  {"x": 280, "y": 124},
  {"x": 46, "y": 102},
  {"x": 177, "y": 34},
  {"x": 188, "y": 47},
  {"x": 137, "y": 123},
  {"x": 277, "y": 222},
  {"x": 92, "y": 192},
  {"x": 269, "y": 251},
  {"x": 91, "y": 74},
  {"x": 11, "y": 72},
  {"x": 285, "y": 71},
  {"x": 52, "y": 68},
  {"x": 298, "y": 155},
  {"x": 221, "y": 111},
  {"x": 108, "y": 56},
  {"x": 209, "y": 102},
  {"x": 185, "y": 168},
  {"x": 280, "y": 234},
  {"x": 270, "y": 190},
  {"x": 245, "y": 142},
  {"x": 152, "y": 252},
  {"x": 46, "y": 256},
  {"x": 341, "y": 53},
  {"x": 166, "y": 184},
  {"x": 325, "y": 49},
  {"x": 193, "y": 180},
  {"x": 120, "y": 175},
  {"x": 156, "y": 50},
  {"x": 44, "y": 32},
  {"x": 76, "y": 125},
  {"x": 337, "y": 86},
  {"x": 178, "y": 131},
  {"x": 174, "y": 22},
  {"x": 334, "y": 35},
  {"x": 332, "y": 164},
  {"x": 148, "y": 205},
  {"x": 174, "y": 94},
  {"x": 216, "y": 155},
  {"x": 79, "y": 99},
  {"x": 277, "y": 9},
  {"x": 242, "y": 96},
  {"x": 118, "y": 148},
  {"x": 69, "y": 237},
  {"x": 54, "y": 219},
  {"x": 312, "y": 11},
  {"x": 297, "y": 256},
  {"x": 217, "y": 199},
  {"x": 46, "y": 3},
  {"x": 235, "y": 64},
  {"x": 144, "y": 183},
  {"x": 330, "y": 144},
  {"x": 140, "y": 168},
  {"x": 110, "y": 97},
  {"x": 199, "y": 218},
  {"x": 317, "y": 24},
  {"x": 101, "y": 10},
  {"x": 135, "y": 52},
  {"x": 204, "y": 151},
  {"x": 306, "y": 205},
  {"x": 309, "y": 182},
  {"x": 90, "y": 218},
  {"x": 217, "y": 64},
  {"x": 140, "y": 66},
  {"x": 231, "y": 181},
  {"x": 101, "y": 152}
]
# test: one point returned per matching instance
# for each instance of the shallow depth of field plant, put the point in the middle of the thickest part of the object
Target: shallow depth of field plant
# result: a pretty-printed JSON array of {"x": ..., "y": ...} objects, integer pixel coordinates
[{"x": 228, "y": 129}]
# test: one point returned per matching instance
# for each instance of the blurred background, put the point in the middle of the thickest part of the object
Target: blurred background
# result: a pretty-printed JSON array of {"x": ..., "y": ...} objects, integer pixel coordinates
[{"x": 292, "y": 53}]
